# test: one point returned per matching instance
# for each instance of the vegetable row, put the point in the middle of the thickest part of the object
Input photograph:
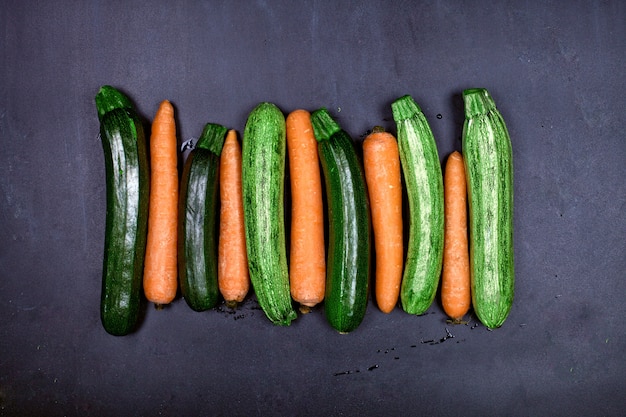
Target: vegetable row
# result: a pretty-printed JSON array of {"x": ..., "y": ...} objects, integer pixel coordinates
[{"x": 216, "y": 230}]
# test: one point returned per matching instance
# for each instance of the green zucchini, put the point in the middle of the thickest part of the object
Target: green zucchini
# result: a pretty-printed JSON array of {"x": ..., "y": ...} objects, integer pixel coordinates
[
  {"x": 127, "y": 187},
  {"x": 489, "y": 169},
  {"x": 263, "y": 178},
  {"x": 197, "y": 225},
  {"x": 348, "y": 265},
  {"x": 424, "y": 187}
]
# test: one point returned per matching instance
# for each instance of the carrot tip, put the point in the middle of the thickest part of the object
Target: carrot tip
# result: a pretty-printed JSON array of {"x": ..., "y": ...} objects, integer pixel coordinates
[
  {"x": 232, "y": 304},
  {"x": 305, "y": 309},
  {"x": 158, "y": 306},
  {"x": 457, "y": 321}
]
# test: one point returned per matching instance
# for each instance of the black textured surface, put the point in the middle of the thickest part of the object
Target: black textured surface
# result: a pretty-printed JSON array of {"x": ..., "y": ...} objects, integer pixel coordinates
[{"x": 556, "y": 72}]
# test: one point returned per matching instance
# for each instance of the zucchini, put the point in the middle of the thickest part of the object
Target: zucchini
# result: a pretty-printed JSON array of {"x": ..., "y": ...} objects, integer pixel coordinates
[
  {"x": 263, "y": 177},
  {"x": 197, "y": 225},
  {"x": 489, "y": 169},
  {"x": 127, "y": 187},
  {"x": 424, "y": 187},
  {"x": 348, "y": 265}
]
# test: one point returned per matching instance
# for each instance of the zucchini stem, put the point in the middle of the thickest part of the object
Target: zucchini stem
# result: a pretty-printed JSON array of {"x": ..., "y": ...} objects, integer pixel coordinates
[
  {"x": 324, "y": 126},
  {"x": 477, "y": 101},
  {"x": 405, "y": 108},
  {"x": 212, "y": 138}
]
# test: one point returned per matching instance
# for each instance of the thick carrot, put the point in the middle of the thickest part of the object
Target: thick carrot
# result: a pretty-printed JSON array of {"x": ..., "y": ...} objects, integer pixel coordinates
[
  {"x": 232, "y": 270},
  {"x": 307, "y": 263},
  {"x": 455, "y": 278},
  {"x": 381, "y": 162},
  {"x": 160, "y": 279}
]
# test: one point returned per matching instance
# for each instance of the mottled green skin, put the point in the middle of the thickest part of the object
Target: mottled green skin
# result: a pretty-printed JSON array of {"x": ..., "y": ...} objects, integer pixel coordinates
[
  {"x": 348, "y": 265},
  {"x": 263, "y": 171},
  {"x": 424, "y": 185},
  {"x": 127, "y": 187},
  {"x": 489, "y": 169},
  {"x": 198, "y": 206}
]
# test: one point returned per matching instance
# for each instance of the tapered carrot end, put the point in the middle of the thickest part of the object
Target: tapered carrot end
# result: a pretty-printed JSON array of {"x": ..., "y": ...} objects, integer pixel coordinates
[
  {"x": 165, "y": 112},
  {"x": 386, "y": 310},
  {"x": 458, "y": 320},
  {"x": 232, "y": 304},
  {"x": 455, "y": 155},
  {"x": 304, "y": 309},
  {"x": 166, "y": 105}
]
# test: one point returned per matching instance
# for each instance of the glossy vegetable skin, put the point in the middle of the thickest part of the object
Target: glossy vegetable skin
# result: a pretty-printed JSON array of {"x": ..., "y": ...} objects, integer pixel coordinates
[
  {"x": 127, "y": 188},
  {"x": 198, "y": 207},
  {"x": 348, "y": 265}
]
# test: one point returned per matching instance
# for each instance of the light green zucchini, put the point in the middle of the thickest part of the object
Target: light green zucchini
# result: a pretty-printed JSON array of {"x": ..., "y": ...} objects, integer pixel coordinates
[
  {"x": 424, "y": 187},
  {"x": 263, "y": 178},
  {"x": 488, "y": 160}
]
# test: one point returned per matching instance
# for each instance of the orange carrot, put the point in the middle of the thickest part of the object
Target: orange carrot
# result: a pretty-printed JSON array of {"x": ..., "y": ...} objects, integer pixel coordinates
[
  {"x": 307, "y": 262},
  {"x": 160, "y": 279},
  {"x": 232, "y": 270},
  {"x": 455, "y": 278},
  {"x": 381, "y": 163}
]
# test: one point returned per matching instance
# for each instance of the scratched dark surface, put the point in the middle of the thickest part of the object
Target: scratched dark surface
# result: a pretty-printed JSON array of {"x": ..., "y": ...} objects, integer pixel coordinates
[{"x": 556, "y": 73}]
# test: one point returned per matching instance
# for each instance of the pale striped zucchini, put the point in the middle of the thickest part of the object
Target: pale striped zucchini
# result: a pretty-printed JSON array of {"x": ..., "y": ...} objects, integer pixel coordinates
[
  {"x": 424, "y": 186},
  {"x": 263, "y": 174},
  {"x": 489, "y": 169}
]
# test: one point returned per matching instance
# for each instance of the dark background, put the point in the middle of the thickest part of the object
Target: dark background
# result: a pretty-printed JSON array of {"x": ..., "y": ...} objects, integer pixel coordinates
[{"x": 556, "y": 71}]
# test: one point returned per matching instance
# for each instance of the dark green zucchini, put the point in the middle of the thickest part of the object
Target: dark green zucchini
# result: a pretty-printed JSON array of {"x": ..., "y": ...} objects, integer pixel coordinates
[
  {"x": 127, "y": 187},
  {"x": 263, "y": 178},
  {"x": 488, "y": 160},
  {"x": 424, "y": 187},
  {"x": 348, "y": 265},
  {"x": 197, "y": 224}
]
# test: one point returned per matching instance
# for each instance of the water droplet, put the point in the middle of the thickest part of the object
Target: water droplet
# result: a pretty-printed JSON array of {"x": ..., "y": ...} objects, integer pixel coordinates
[{"x": 439, "y": 116}]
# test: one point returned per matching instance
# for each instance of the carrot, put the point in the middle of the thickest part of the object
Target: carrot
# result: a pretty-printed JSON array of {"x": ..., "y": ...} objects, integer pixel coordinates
[
  {"x": 232, "y": 270},
  {"x": 160, "y": 279},
  {"x": 381, "y": 163},
  {"x": 307, "y": 269},
  {"x": 455, "y": 278}
]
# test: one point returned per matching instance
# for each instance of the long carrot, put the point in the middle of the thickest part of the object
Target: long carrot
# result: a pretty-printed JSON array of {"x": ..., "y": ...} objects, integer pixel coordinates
[
  {"x": 381, "y": 162},
  {"x": 307, "y": 263},
  {"x": 160, "y": 280},
  {"x": 455, "y": 278},
  {"x": 232, "y": 270}
]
